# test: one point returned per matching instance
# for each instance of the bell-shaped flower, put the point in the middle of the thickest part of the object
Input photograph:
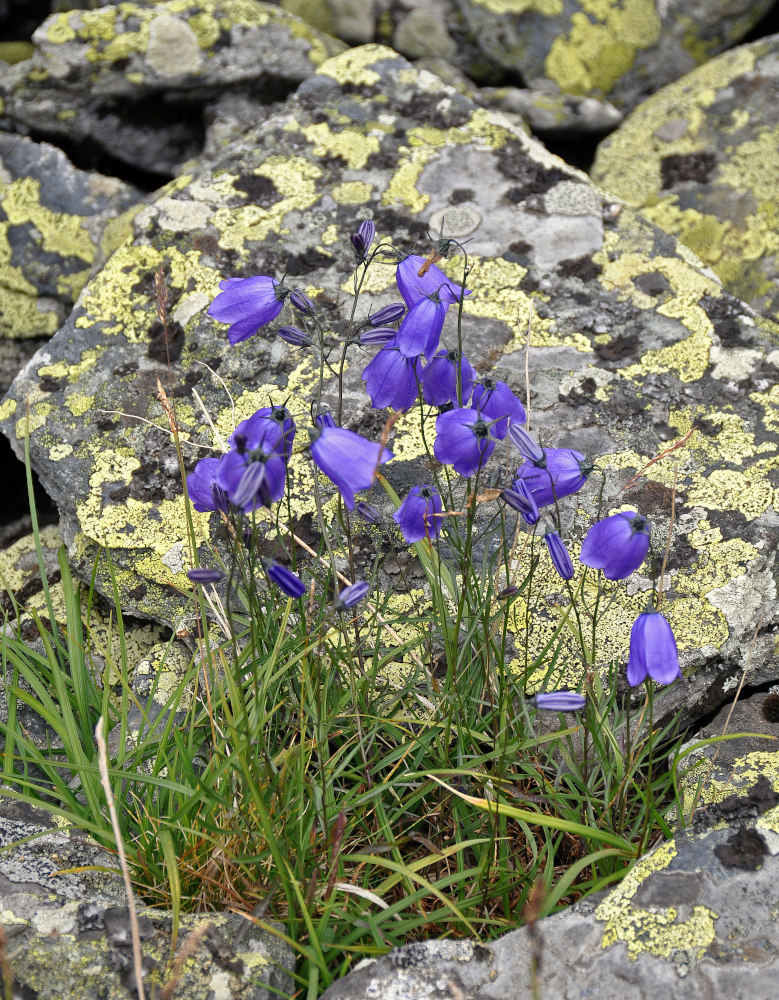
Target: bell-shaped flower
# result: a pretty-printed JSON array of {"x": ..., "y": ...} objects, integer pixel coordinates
[
  {"x": 463, "y": 440},
  {"x": 269, "y": 428},
  {"x": 561, "y": 560},
  {"x": 325, "y": 419},
  {"x": 416, "y": 516},
  {"x": 558, "y": 701},
  {"x": 653, "y": 651},
  {"x": 439, "y": 379},
  {"x": 392, "y": 379},
  {"x": 617, "y": 544},
  {"x": 362, "y": 239},
  {"x": 347, "y": 459},
  {"x": 253, "y": 478},
  {"x": 497, "y": 402},
  {"x": 284, "y": 578},
  {"x": 413, "y": 286},
  {"x": 204, "y": 491},
  {"x": 420, "y": 330},
  {"x": 247, "y": 304},
  {"x": 521, "y": 499},
  {"x": 559, "y": 473}
]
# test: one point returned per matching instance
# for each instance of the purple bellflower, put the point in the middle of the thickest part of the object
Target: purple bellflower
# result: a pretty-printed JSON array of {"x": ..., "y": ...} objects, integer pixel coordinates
[
  {"x": 521, "y": 499},
  {"x": 348, "y": 460},
  {"x": 496, "y": 401},
  {"x": 558, "y": 701},
  {"x": 439, "y": 379},
  {"x": 561, "y": 560},
  {"x": 368, "y": 512},
  {"x": 284, "y": 578},
  {"x": 253, "y": 478},
  {"x": 416, "y": 515},
  {"x": 362, "y": 239},
  {"x": 247, "y": 304},
  {"x": 351, "y": 595},
  {"x": 204, "y": 491},
  {"x": 391, "y": 379},
  {"x": 653, "y": 651},
  {"x": 413, "y": 287},
  {"x": 559, "y": 473},
  {"x": 617, "y": 544},
  {"x": 463, "y": 440},
  {"x": 420, "y": 330},
  {"x": 269, "y": 427},
  {"x": 203, "y": 574}
]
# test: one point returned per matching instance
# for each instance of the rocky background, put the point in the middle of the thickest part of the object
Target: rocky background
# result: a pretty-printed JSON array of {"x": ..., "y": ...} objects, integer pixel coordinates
[{"x": 218, "y": 138}]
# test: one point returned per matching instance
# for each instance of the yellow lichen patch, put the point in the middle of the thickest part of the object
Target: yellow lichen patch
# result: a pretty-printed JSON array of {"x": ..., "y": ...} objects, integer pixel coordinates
[
  {"x": 354, "y": 65},
  {"x": 351, "y": 145},
  {"x": 294, "y": 179},
  {"x": 109, "y": 299},
  {"x": 657, "y": 932},
  {"x": 17, "y": 561},
  {"x": 59, "y": 30},
  {"x": 22, "y": 315},
  {"x": 549, "y": 8},
  {"x": 32, "y": 421},
  {"x": 7, "y": 408},
  {"x": 402, "y": 188},
  {"x": 59, "y": 451},
  {"x": 593, "y": 56},
  {"x": 331, "y": 235},
  {"x": 79, "y": 404},
  {"x": 61, "y": 234},
  {"x": 61, "y": 369},
  {"x": 352, "y": 193},
  {"x": 745, "y": 773},
  {"x": 725, "y": 489}
]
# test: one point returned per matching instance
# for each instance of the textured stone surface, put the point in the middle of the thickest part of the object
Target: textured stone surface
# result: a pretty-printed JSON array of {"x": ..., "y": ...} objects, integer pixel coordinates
[
  {"x": 695, "y": 918},
  {"x": 633, "y": 344},
  {"x": 57, "y": 226},
  {"x": 132, "y": 79},
  {"x": 618, "y": 49},
  {"x": 700, "y": 159}
]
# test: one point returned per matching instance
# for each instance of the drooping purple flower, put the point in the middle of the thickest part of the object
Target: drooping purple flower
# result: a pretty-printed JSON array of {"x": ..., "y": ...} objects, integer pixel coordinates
[
  {"x": 204, "y": 574},
  {"x": 284, "y": 578},
  {"x": 416, "y": 516},
  {"x": 558, "y": 701},
  {"x": 521, "y": 499},
  {"x": 463, "y": 440},
  {"x": 420, "y": 330},
  {"x": 439, "y": 379},
  {"x": 253, "y": 478},
  {"x": 559, "y": 473},
  {"x": 391, "y": 379},
  {"x": 325, "y": 419},
  {"x": 294, "y": 336},
  {"x": 617, "y": 544},
  {"x": 413, "y": 287},
  {"x": 561, "y": 560},
  {"x": 204, "y": 492},
  {"x": 653, "y": 651},
  {"x": 496, "y": 401},
  {"x": 351, "y": 595},
  {"x": 269, "y": 428},
  {"x": 387, "y": 314},
  {"x": 362, "y": 239},
  {"x": 347, "y": 459},
  {"x": 247, "y": 304}
]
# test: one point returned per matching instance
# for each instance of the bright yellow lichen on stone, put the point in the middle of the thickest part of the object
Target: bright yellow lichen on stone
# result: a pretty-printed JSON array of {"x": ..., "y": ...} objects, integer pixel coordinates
[
  {"x": 594, "y": 55},
  {"x": 352, "y": 193},
  {"x": 351, "y": 145},
  {"x": 548, "y": 8},
  {"x": 62, "y": 369},
  {"x": 354, "y": 65},
  {"x": 658, "y": 932}
]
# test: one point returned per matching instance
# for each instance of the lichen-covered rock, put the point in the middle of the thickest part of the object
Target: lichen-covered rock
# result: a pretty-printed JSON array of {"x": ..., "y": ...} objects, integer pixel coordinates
[
  {"x": 695, "y": 918},
  {"x": 132, "y": 78},
  {"x": 621, "y": 50},
  {"x": 68, "y": 936},
  {"x": 633, "y": 345},
  {"x": 700, "y": 160},
  {"x": 57, "y": 226}
]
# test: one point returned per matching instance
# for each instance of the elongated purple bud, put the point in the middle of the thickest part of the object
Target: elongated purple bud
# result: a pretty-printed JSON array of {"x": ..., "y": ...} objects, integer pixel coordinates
[
  {"x": 284, "y": 578},
  {"x": 352, "y": 595},
  {"x": 294, "y": 336},
  {"x": 301, "y": 302},
  {"x": 520, "y": 499},
  {"x": 526, "y": 444},
  {"x": 325, "y": 419},
  {"x": 368, "y": 512},
  {"x": 378, "y": 336},
  {"x": 202, "y": 574},
  {"x": 388, "y": 314},
  {"x": 362, "y": 239},
  {"x": 558, "y": 701}
]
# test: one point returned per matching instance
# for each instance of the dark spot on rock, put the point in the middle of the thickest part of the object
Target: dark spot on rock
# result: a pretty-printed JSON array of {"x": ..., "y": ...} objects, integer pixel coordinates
[
  {"x": 654, "y": 283},
  {"x": 725, "y": 313},
  {"x": 579, "y": 267},
  {"x": 669, "y": 889},
  {"x": 438, "y": 112},
  {"x": 309, "y": 260},
  {"x": 651, "y": 498},
  {"x": 89, "y": 920},
  {"x": 681, "y": 167},
  {"x": 459, "y": 195},
  {"x": 49, "y": 384},
  {"x": 145, "y": 286},
  {"x": 128, "y": 368},
  {"x": 771, "y": 708},
  {"x": 481, "y": 954},
  {"x": 745, "y": 850},
  {"x": 707, "y": 427},
  {"x": 664, "y": 430},
  {"x": 139, "y": 592},
  {"x": 619, "y": 347},
  {"x": 223, "y": 954},
  {"x": 120, "y": 494},
  {"x": 105, "y": 421},
  {"x": 520, "y": 248},
  {"x": 532, "y": 177},
  {"x": 759, "y": 799},
  {"x": 184, "y": 388},
  {"x": 165, "y": 348},
  {"x": 261, "y": 190},
  {"x": 206, "y": 243},
  {"x": 529, "y": 283}
]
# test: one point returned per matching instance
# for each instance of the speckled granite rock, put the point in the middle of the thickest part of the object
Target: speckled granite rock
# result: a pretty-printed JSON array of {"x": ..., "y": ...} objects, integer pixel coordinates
[
  {"x": 633, "y": 344},
  {"x": 695, "y": 918},
  {"x": 68, "y": 935},
  {"x": 700, "y": 159},
  {"x": 621, "y": 50},
  {"x": 132, "y": 79},
  {"x": 57, "y": 226}
]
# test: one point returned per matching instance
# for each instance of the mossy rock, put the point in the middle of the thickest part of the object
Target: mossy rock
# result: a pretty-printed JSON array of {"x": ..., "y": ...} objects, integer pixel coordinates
[
  {"x": 700, "y": 158},
  {"x": 633, "y": 346}
]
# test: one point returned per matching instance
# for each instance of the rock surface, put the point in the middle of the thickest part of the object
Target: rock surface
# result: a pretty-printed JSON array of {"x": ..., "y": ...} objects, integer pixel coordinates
[
  {"x": 57, "y": 226},
  {"x": 694, "y": 918},
  {"x": 626, "y": 324},
  {"x": 620, "y": 50},
  {"x": 700, "y": 159}
]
